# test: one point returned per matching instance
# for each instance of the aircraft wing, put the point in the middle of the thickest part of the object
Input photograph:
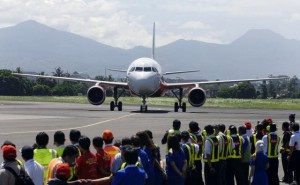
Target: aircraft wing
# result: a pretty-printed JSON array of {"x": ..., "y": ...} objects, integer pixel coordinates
[
  {"x": 177, "y": 72},
  {"x": 105, "y": 83},
  {"x": 194, "y": 84}
]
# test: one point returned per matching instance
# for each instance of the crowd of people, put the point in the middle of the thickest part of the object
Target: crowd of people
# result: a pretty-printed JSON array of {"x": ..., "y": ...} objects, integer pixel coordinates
[{"x": 240, "y": 155}]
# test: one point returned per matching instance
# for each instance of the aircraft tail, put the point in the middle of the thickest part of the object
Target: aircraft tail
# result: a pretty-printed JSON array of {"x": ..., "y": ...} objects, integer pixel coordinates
[{"x": 153, "y": 42}]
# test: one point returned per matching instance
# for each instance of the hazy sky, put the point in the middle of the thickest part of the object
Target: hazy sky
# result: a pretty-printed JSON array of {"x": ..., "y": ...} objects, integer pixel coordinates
[{"x": 128, "y": 23}]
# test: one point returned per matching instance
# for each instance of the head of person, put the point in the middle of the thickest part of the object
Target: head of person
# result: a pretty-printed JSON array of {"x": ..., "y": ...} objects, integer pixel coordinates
[
  {"x": 70, "y": 154},
  {"x": 125, "y": 141},
  {"x": 98, "y": 142},
  {"x": 185, "y": 136},
  {"x": 59, "y": 138},
  {"x": 176, "y": 124},
  {"x": 273, "y": 127},
  {"x": 74, "y": 136},
  {"x": 108, "y": 136},
  {"x": 242, "y": 130},
  {"x": 149, "y": 132},
  {"x": 292, "y": 117},
  {"x": 145, "y": 139},
  {"x": 216, "y": 129},
  {"x": 248, "y": 125},
  {"x": 131, "y": 155},
  {"x": 232, "y": 129},
  {"x": 173, "y": 142},
  {"x": 9, "y": 153},
  {"x": 7, "y": 142},
  {"x": 193, "y": 127},
  {"x": 63, "y": 172},
  {"x": 136, "y": 141},
  {"x": 84, "y": 143},
  {"x": 209, "y": 129},
  {"x": 27, "y": 152},
  {"x": 259, "y": 128},
  {"x": 295, "y": 127},
  {"x": 259, "y": 146},
  {"x": 285, "y": 126},
  {"x": 222, "y": 128},
  {"x": 42, "y": 139}
]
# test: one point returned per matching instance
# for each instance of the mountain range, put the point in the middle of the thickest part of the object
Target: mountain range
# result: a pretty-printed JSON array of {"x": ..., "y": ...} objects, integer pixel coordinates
[{"x": 258, "y": 53}]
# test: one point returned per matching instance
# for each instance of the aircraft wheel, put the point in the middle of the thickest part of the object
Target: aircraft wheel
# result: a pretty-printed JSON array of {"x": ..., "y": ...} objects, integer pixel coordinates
[
  {"x": 183, "y": 107},
  {"x": 141, "y": 108},
  {"x": 176, "y": 107},
  {"x": 112, "y": 106},
  {"x": 120, "y": 104},
  {"x": 146, "y": 108}
]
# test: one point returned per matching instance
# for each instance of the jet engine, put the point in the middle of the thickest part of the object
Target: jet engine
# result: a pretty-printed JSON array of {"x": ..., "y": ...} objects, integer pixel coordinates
[
  {"x": 197, "y": 97},
  {"x": 96, "y": 95}
]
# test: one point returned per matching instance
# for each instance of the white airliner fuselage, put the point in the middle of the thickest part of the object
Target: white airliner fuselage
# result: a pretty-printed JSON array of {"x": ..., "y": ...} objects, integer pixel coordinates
[{"x": 144, "y": 77}]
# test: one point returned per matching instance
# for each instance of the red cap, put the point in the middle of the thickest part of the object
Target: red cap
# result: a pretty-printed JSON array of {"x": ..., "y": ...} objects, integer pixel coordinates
[
  {"x": 269, "y": 120},
  {"x": 248, "y": 125},
  {"x": 107, "y": 135},
  {"x": 63, "y": 171},
  {"x": 9, "y": 152}
]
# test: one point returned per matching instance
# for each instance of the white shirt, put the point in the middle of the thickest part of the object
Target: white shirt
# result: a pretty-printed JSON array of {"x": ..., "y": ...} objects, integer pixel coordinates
[
  {"x": 265, "y": 140},
  {"x": 35, "y": 171},
  {"x": 249, "y": 132},
  {"x": 295, "y": 138}
]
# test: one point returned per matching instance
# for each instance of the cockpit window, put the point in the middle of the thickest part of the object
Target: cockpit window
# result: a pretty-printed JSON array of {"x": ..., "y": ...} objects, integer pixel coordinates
[
  {"x": 154, "y": 69},
  {"x": 138, "y": 69},
  {"x": 147, "y": 69},
  {"x": 132, "y": 69}
]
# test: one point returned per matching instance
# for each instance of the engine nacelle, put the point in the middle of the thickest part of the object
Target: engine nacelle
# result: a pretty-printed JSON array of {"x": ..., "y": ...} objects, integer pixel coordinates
[
  {"x": 197, "y": 97},
  {"x": 96, "y": 95}
]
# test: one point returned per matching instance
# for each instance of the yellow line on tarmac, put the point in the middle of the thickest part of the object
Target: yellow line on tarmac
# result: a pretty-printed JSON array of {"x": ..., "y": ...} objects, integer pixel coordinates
[{"x": 79, "y": 127}]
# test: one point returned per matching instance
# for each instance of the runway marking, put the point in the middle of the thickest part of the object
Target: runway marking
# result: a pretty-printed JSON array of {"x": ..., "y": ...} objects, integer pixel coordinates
[{"x": 79, "y": 127}]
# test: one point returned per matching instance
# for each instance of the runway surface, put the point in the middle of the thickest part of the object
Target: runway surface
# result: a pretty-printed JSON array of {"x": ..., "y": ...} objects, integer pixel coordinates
[{"x": 21, "y": 121}]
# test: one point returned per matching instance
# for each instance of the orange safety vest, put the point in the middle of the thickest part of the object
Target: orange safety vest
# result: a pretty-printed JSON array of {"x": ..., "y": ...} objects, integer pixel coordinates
[
  {"x": 112, "y": 151},
  {"x": 52, "y": 168}
]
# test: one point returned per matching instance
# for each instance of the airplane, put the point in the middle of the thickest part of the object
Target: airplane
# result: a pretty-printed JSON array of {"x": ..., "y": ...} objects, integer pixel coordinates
[{"x": 145, "y": 78}]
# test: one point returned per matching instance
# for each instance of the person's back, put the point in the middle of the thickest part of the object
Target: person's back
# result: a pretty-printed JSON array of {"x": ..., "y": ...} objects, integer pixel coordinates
[
  {"x": 108, "y": 138},
  {"x": 131, "y": 174},
  {"x": 86, "y": 164},
  {"x": 9, "y": 155},
  {"x": 33, "y": 168}
]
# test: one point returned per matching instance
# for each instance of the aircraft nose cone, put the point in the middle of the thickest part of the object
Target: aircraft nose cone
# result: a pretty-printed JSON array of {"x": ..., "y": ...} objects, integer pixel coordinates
[{"x": 144, "y": 84}]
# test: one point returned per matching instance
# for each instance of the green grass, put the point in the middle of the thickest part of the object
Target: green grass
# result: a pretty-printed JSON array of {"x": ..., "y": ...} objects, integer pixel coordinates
[{"x": 287, "y": 104}]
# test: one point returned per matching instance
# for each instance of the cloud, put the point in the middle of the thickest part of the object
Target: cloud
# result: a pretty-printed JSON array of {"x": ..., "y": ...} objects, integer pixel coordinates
[
  {"x": 295, "y": 17},
  {"x": 195, "y": 25}
]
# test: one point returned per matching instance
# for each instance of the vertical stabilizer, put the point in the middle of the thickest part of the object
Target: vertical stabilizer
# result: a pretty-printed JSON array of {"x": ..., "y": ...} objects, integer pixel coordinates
[{"x": 153, "y": 42}]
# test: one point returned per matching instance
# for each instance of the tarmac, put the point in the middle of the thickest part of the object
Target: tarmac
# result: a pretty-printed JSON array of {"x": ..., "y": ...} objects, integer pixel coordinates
[{"x": 21, "y": 121}]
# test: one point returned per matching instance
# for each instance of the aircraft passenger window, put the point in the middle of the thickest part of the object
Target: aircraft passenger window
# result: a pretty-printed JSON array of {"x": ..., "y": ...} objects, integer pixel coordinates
[
  {"x": 147, "y": 69},
  {"x": 132, "y": 69},
  {"x": 138, "y": 69}
]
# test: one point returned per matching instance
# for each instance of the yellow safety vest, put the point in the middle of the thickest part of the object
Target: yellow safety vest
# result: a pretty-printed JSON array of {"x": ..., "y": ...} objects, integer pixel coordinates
[
  {"x": 273, "y": 142},
  {"x": 200, "y": 141},
  {"x": 215, "y": 150},
  {"x": 236, "y": 153},
  {"x": 60, "y": 150},
  {"x": 44, "y": 157},
  {"x": 191, "y": 150},
  {"x": 225, "y": 147}
]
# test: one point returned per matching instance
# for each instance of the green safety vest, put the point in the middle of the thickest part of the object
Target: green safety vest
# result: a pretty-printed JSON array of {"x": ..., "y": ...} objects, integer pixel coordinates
[
  {"x": 236, "y": 153},
  {"x": 200, "y": 141},
  {"x": 225, "y": 147},
  {"x": 273, "y": 142},
  {"x": 215, "y": 150}
]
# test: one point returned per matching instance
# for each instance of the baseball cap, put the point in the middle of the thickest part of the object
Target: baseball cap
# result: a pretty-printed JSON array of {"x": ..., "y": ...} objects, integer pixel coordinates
[
  {"x": 9, "y": 152},
  {"x": 107, "y": 135},
  {"x": 248, "y": 125},
  {"x": 63, "y": 171}
]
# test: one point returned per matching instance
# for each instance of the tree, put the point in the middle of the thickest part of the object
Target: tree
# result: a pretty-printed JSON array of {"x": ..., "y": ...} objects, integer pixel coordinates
[
  {"x": 246, "y": 90},
  {"x": 264, "y": 89},
  {"x": 41, "y": 90}
]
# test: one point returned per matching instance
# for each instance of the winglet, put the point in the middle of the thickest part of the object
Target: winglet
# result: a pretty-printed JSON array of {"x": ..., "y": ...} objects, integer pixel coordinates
[{"x": 153, "y": 42}]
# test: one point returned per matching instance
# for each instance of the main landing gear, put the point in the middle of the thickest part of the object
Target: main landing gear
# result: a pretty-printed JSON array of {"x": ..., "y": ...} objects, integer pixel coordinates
[
  {"x": 144, "y": 107},
  {"x": 179, "y": 104},
  {"x": 116, "y": 103}
]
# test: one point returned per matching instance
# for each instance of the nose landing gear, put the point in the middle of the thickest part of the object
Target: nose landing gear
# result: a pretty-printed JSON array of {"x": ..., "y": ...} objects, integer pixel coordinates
[{"x": 144, "y": 107}]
